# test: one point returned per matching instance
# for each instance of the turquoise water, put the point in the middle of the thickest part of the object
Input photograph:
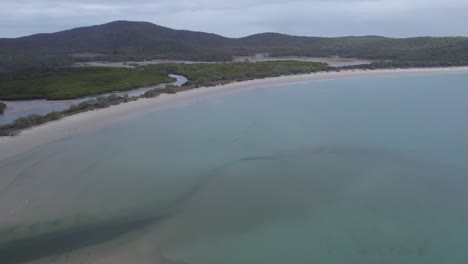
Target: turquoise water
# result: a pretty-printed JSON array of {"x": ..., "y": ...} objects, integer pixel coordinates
[{"x": 368, "y": 170}]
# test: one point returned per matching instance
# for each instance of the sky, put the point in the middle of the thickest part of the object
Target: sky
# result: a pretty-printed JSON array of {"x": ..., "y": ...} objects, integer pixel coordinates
[{"x": 237, "y": 18}]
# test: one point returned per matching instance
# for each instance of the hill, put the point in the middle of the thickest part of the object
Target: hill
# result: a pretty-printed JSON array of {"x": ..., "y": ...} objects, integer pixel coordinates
[
  {"x": 125, "y": 40},
  {"x": 443, "y": 49},
  {"x": 116, "y": 37}
]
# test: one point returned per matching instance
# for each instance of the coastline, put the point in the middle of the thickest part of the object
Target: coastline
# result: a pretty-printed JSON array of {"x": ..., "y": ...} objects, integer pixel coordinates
[{"x": 75, "y": 124}]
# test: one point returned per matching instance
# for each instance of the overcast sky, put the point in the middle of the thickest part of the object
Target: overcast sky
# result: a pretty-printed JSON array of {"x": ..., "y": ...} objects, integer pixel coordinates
[{"x": 234, "y": 18}]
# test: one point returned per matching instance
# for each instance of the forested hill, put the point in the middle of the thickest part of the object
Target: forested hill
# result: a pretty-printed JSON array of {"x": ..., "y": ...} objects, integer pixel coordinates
[
  {"x": 124, "y": 40},
  {"x": 443, "y": 49},
  {"x": 118, "y": 37}
]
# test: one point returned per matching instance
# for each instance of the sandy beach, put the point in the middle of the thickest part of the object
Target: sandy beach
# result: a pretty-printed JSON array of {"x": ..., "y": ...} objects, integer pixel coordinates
[{"x": 72, "y": 125}]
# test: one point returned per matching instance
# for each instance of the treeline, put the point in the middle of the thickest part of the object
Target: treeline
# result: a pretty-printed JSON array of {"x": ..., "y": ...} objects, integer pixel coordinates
[
  {"x": 11, "y": 63},
  {"x": 88, "y": 105},
  {"x": 202, "y": 74},
  {"x": 450, "y": 50},
  {"x": 35, "y": 120},
  {"x": 403, "y": 65}
]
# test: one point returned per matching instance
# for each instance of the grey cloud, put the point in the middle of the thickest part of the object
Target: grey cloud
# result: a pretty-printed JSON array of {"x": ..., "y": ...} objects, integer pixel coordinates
[{"x": 398, "y": 18}]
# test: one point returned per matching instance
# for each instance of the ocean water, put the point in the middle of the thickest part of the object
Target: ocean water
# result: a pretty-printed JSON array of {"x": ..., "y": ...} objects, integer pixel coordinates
[{"x": 364, "y": 170}]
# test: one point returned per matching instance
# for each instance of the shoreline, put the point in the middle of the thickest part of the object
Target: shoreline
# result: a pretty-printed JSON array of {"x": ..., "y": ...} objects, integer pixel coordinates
[{"x": 86, "y": 121}]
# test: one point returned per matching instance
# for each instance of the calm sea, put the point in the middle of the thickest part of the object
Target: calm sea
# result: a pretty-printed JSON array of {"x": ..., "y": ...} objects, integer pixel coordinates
[{"x": 365, "y": 170}]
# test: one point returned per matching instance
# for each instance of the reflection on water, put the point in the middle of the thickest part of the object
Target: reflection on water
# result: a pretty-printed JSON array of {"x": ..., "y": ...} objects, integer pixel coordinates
[{"x": 228, "y": 180}]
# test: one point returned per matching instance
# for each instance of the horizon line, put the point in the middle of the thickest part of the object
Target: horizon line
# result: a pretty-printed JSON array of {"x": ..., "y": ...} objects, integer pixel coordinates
[{"x": 260, "y": 33}]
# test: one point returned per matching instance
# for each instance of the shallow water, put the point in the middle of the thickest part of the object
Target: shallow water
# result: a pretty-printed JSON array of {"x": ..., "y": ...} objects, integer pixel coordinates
[{"x": 369, "y": 170}]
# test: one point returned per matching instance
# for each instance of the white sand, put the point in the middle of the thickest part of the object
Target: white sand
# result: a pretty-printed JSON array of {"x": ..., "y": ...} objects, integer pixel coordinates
[{"x": 71, "y": 125}]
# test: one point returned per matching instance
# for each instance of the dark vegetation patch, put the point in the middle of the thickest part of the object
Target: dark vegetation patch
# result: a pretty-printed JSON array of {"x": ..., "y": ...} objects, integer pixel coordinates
[
  {"x": 2, "y": 107},
  {"x": 68, "y": 83}
]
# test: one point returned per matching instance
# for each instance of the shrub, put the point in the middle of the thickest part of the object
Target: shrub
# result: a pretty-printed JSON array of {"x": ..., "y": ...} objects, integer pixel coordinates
[
  {"x": 2, "y": 107},
  {"x": 151, "y": 93},
  {"x": 29, "y": 121}
]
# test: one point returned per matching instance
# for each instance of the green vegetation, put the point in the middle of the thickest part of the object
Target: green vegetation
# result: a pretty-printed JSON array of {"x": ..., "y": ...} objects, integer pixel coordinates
[
  {"x": 401, "y": 65},
  {"x": 89, "y": 105},
  {"x": 213, "y": 74},
  {"x": 2, "y": 107},
  {"x": 198, "y": 74},
  {"x": 444, "y": 50},
  {"x": 35, "y": 120},
  {"x": 67, "y": 83},
  {"x": 124, "y": 41}
]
